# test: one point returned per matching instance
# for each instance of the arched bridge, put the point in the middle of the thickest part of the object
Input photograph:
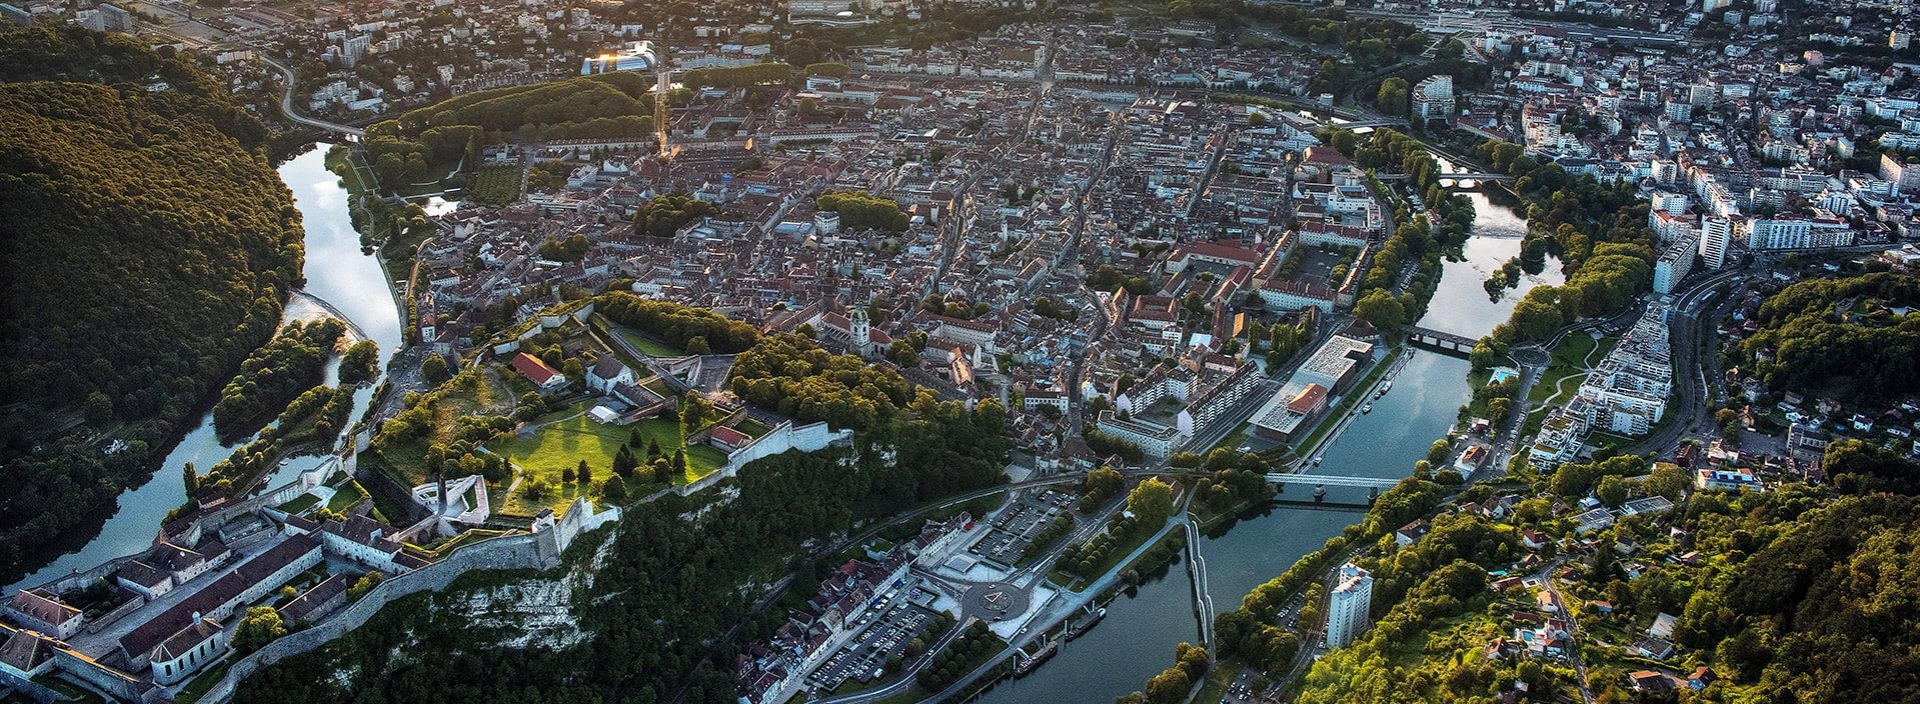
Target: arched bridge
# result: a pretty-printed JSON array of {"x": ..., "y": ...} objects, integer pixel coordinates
[
  {"x": 1474, "y": 176},
  {"x": 1330, "y": 480}
]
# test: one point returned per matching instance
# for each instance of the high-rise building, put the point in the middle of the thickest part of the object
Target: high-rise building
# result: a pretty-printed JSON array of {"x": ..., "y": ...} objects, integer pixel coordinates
[
  {"x": 114, "y": 19},
  {"x": 1670, "y": 203},
  {"x": 1433, "y": 98},
  {"x": 1674, "y": 263},
  {"x": 1679, "y": 111},
  {"x": 1701, "y": 95},
  {"x": 1899, "y": 39},
  {"x": 1348, "y": 605},
  {"x": 354, "y": 49},
  {"x": 1715, "y": 233},
  {"x": 1798, "y": 233}
]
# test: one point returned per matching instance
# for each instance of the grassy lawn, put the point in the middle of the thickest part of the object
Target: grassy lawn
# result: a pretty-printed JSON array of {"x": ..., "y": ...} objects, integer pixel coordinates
[
  {"x": 1569, "y": 360},
  {"x": 1218, "y": 678},
  {"x": 200, "y": 684},
  {"x": 346, "y": 496},
  {"x": 339, "y": 163},
  {"x": 647, "y": 345},
  {"x": 912, "y": 695},
  {"x": 299, "y": 503},
  {"x": 570, "y": 436},
  {"x": 752, "y": 428}
]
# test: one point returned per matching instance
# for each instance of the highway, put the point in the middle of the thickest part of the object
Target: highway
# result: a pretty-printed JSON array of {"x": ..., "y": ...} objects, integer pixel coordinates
[
  {"x": 1689, "y": 333},
  {"x": 286, "y": 103}
]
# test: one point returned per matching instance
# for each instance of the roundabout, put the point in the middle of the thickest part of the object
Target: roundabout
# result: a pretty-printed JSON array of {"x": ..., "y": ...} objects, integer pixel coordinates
[{"x": 995, "y": 601}]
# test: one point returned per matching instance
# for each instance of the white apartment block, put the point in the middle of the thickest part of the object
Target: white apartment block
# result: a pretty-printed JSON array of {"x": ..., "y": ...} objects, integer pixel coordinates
[
  {"x": 1625, "y": 394},
  {"x": 1675, "y": 263},
  {"x": 1433, "y": 98},
  {"x": 1798, "y": 233},
  {"x": 1715, "y": 234},
  {"x": 1348, "y": 605},
  {"x": 1156, "y": 441},
  {"x": 1670, "y": 203}
]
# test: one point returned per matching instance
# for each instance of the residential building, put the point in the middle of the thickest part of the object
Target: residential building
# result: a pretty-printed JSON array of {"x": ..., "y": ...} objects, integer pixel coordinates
[
  {"x": 1715, "y": 233},
  {"x": 1674, "y": 263},
  {"x": 1155, "y": 440},
  {"x": 16, "y": 15},
  {"x": 1798, "y": 233},
  {"x": 115, "y": 19},
  {"x": 1348, "y": 606},
  {"x": 1433, "y": 98},
  {"x": 1726, "y": 479}
]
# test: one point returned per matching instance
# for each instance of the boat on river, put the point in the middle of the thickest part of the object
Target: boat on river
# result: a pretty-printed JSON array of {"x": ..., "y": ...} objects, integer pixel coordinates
[
  {"x": 1028, "y": 663},
  {"x": 1366, "y": 409},
  {"x": 1082, "y": 629},
  {"x": 1383, "y": 390}
]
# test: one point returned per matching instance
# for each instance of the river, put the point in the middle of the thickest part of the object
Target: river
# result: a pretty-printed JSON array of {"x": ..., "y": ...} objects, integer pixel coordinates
[
  {"x": 1137, "y": 638},
  {"x": 1461, "y": 305},
  {"x": 335, "y": 271}
]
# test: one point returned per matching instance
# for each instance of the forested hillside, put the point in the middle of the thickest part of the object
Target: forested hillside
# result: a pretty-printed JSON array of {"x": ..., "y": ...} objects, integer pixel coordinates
[
  {"x": 428, "y": 142},
  {"x": 1803, "y": 595},
  {"x": 149, "y": 246},
  {"x": 1853, "y": 338}
]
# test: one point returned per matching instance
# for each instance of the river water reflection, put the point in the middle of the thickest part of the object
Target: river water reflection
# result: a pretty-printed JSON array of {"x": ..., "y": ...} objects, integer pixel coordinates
[{"x": 337, "y": 272}]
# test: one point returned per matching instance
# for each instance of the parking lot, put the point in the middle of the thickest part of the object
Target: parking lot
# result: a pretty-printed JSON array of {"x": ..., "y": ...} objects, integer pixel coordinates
[
  {"x": 892, "y": 625},
  {"x": 1019, "y": 523}
]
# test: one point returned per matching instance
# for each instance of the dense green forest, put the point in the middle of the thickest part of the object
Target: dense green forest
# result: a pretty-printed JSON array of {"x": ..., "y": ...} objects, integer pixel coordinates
[
  {"x": 864, "y": 211},
  {"x": 1853, "y": 338},
  {"x": 666, "y": 596},
  {"x": 149, "y": 248},
  {"x": 273, "y": 375},
  {"x": 667, "y": 213},
  {"x": 795, "y": 376}
]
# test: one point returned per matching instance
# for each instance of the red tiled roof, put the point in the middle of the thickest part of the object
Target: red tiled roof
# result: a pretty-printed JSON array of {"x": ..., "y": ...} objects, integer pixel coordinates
[
  {"x": 533, "y": 369},
  {"x": 1308, "y": 399},
  {"x": 730, "y": 436}
]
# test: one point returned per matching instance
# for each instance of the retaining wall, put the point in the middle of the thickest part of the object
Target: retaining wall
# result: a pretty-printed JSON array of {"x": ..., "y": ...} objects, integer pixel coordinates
[
  {"x": 811, "y": 437},
  {"x": 532, "y": 551}
]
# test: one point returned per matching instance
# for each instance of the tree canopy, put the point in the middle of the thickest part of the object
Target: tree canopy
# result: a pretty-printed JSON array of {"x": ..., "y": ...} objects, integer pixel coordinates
[
  {"x": 149, "y": 245},
  {"x": 1841, "y": 336}
]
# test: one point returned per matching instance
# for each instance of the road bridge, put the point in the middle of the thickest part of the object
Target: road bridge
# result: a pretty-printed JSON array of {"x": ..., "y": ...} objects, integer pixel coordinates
[
  {"x": 1372, "y": 122},
  {"x": 1475, "y": 176},
  {"x": 1457, "y": 345},
  {"x": 1330, "y": 480}
]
